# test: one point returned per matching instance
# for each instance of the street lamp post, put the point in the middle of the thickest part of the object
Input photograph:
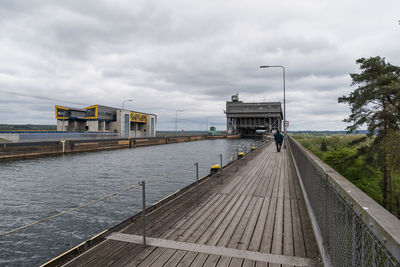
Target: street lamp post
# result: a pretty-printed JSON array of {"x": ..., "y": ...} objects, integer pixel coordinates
[
  {"x": 123, "y": 102},
  {"x": 284, "y": 96},
  {"x": 176, "y": 119}
]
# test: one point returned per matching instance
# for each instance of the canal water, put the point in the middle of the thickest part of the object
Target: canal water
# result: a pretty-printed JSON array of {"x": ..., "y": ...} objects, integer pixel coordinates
[{"x": 37, "y": 188}]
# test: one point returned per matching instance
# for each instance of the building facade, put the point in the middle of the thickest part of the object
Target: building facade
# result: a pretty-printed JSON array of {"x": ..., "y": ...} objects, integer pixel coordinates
[
  {"x": 98, "y": 118},
  {"x": 246, "y": 118}
]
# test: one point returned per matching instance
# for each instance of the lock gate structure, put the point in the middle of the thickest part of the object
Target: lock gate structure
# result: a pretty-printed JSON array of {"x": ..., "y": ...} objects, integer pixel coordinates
[{"x": 246, "y": 118}]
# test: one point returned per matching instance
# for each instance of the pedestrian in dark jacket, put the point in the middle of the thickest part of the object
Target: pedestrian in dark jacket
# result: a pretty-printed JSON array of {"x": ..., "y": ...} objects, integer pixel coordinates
[{"x": 278, "y": 137}]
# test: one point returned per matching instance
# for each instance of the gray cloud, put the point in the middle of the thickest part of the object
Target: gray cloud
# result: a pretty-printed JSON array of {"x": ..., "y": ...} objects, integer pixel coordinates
[{"x": 189, "y": 55}]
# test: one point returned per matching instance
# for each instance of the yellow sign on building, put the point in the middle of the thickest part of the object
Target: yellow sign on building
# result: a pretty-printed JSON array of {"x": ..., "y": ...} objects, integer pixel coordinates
[
  {"x": 61, "y": 113},
  {"x": 92, "y": 112},
  {"x": 138, "y": 117}
]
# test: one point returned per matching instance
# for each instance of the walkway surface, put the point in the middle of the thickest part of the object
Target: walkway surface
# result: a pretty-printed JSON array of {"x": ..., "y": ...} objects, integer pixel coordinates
[{"x": 252, "y": 219}]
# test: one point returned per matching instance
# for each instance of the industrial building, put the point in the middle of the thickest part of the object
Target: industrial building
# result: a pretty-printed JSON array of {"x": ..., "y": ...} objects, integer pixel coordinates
[
  {"x": 98, "y": 118},
  {"x": 246, "y": 118}
]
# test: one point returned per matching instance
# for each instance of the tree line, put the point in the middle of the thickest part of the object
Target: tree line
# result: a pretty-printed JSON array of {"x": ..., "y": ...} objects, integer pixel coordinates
[
  {"x": 375, "y": 102},
  {"x": 347, "y": 155}
]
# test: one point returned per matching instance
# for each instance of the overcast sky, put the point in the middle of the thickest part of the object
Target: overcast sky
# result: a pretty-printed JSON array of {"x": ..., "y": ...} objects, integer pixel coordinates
[{"x": 189, "y": 55}]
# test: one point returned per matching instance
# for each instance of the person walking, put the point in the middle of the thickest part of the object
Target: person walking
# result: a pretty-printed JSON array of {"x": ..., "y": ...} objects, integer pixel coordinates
[{"x": 278, "y": 137}]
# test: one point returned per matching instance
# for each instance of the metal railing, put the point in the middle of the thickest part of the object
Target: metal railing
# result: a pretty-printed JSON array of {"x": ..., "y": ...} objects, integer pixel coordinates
[
  {"x": 351, "y": 228},
  {"x": 38, "y": 136}
]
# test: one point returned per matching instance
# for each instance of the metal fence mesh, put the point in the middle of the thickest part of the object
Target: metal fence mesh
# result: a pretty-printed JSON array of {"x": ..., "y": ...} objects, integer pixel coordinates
[{"x": 347, "y": 240}]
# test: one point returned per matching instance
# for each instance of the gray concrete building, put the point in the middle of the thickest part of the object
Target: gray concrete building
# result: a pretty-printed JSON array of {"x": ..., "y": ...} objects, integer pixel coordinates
[
  {"x": 246, "y": 118},
  {"x": 98, "y": 118}
]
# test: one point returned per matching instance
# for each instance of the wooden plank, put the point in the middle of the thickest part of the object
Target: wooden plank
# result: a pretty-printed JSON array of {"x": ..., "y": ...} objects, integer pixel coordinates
[
  {"x": 291, "y": 178},
  {"x": 160, "y": 260},
  {"x": 267, "y": 176},
  {"x": 288, "y": 246},
  {"x": 308, "y": 234},
  {"x": 276, "y": 176},
  {"x": 299, "y": 194},
  {"x": 298, "y": 240},
  {"x": 262, "y": 188},
  {"x": 268, "y": 234},
  {"x": 255, "y": 242},
  {"x": 224, "y": 261},
  {"x": 236, "y": 262},
  {"x": 223, "y": 251},
  {"x": 249, "y": 231},
  {"x": 230, "y": 229},
  {"x": 278, "y": 225},
  {"x": 177, "y": 257},
  {"x": 277, "y": 242},
  {"x": 266, "y": 242},
  {"x": 244, "y": 173},
  {"x": 286, "y": 176}
]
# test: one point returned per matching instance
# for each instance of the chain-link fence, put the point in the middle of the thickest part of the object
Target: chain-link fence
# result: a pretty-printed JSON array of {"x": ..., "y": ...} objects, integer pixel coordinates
[{"x": 347, "y": 239}]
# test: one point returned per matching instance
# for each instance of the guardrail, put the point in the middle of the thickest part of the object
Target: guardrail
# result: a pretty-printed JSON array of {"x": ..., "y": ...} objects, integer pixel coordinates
[
  {"x": 351, "y": 228},
  {"x": 37, "y": 136}
]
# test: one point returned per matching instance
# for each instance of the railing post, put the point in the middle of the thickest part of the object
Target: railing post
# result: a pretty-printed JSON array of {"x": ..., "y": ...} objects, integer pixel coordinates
[
  {"x": 143, "y": 184},
  {"x": 197, "y": 177},
  {"x": 220, "y": 157},
  {"x": 237, "y": 159},
  {"x": 63, "y": 145},
  {"x": 284, "y": 141}
]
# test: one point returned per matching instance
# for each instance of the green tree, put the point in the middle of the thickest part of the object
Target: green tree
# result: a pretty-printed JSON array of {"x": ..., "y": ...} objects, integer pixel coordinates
[
  {"x": 375, "y": 102},
  {"x": 324, "y": 147}
]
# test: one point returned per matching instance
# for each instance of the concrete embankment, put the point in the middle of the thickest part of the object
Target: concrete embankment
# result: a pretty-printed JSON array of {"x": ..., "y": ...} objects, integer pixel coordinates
[{"x": 10, "y": 151}]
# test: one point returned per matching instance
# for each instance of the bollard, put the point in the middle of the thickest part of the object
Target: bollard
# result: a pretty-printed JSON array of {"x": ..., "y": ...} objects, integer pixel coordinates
[
  {"x": 214, "y": 169},
  {"x": 143, "y": 184},
  {"x": 197, "y": 177}
]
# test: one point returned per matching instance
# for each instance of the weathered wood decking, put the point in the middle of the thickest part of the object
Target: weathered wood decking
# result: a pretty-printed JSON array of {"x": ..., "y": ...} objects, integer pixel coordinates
[{"x": 259, "y": 208}]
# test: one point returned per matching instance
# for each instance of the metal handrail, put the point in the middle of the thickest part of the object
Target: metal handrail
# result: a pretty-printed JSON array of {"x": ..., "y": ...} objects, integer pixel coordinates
[{"x": 355, "y": 229}]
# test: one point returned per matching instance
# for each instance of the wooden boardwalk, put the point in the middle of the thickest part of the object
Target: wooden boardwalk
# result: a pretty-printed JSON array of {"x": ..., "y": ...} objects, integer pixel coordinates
[{"x": 260, "y": 208}]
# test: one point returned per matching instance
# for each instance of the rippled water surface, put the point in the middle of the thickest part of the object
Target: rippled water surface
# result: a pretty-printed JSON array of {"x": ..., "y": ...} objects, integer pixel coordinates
[{"x": 36, "y": 188}]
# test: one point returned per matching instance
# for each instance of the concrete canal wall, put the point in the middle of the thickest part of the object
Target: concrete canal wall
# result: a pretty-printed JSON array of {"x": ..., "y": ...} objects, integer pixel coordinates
[{"x": 25, "y": 150}]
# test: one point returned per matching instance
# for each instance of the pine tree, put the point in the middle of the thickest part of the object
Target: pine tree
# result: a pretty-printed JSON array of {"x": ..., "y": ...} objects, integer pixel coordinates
[{"x": 376, "y": 103}]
